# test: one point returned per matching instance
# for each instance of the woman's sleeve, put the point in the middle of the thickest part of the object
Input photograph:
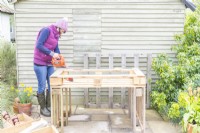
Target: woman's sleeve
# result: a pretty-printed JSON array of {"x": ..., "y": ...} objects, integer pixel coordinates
[
  {"x": 57, "y": 50},
  {"x": 44, "y": 34}
]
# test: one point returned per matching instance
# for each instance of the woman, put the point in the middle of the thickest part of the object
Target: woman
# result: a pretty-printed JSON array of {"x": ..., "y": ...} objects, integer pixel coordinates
[{"x": 47, "y": 48}]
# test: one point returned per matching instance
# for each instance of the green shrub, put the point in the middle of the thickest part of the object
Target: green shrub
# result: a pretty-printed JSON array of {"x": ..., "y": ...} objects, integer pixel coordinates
[
  {"x": 177, "y": 76},
  {"x": 8, "y": 62},
  {"x": 7, "y": 95}
]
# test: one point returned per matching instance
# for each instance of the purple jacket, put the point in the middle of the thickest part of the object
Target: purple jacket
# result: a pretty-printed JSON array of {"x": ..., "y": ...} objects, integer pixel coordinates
[{"x": 50, "y": 43}]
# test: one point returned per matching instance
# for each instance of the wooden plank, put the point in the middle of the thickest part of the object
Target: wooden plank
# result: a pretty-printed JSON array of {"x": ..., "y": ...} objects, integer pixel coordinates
[
  {"x": 170, "y": 2},
  {"x": 61, "y": 110},
  {"x": 54, "y": 79},
  {"x": 129, "y": 103},
  {"x": 128, "y": 20},
  {"x": 134, "y": 109},
  {"x": 136, "y": 16},
  {"x": 129, "y": 11},
  {"x": 139, "y": 33},
  {"x": 111, "y": 89},
  {"x": 123, "y": 90},
  {"x": 67, "y": 103},
  {"x": 128, "y": 38},
  {"x": 149, "y": 62},
  {"x": 136, "y": 60},
  {"x": 86, "y": 90},
  {"x": 98, "y": 65},
  {"x": 103, "y": 5},
  {"x": 124, "y": 24},
  {"x": 144, "y": 110}
]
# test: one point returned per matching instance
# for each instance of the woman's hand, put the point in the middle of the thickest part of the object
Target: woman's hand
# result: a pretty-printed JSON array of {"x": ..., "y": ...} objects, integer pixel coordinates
[{"x": 56, "y": 56}]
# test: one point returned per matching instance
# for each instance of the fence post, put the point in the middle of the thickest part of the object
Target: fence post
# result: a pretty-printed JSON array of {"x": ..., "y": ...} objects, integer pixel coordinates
[
  {"x": 123, "y": 90},
  {"x": 86, "y": 90},
  {"x": 110, "y": 89},
  {"x": 149, "y": 62},
  {"x": 98, "y": 65},
  {"x": 136, "y": 60}
]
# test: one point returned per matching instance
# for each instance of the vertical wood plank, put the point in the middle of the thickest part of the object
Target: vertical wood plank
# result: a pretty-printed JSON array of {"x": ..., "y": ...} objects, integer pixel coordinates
[
  {"x": 136, "y": 60},
  {"x": 61, "y": 110},
  {"x": 52, "y": 107},
  {"x": 98, "y": 64},
  {"x": 110, "y": 89},
  {"x": 58, "y": 109},
  {"x": 149, "y": 62},
  {"x": 134, "y": 109},
  {"x": 144, "y": 110},
  {"x": 86, "y": 90},
  {"x": 130, "y": 103},
  {"x": 123, "y": 90},
  {"x": 66, "y": 112},
  {"x": 70, "y": 102}
]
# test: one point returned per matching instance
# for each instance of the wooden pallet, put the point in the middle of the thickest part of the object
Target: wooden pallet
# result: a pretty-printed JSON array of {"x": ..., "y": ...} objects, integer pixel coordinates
[
  {"x": 62, "y": 83},
  {"x": 98, "y": 78}
]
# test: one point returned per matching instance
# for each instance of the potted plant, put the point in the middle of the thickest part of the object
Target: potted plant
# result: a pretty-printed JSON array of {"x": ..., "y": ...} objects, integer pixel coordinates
[
  {"x": 191, "y": 119},
  {"x": 25, "y": 95}
]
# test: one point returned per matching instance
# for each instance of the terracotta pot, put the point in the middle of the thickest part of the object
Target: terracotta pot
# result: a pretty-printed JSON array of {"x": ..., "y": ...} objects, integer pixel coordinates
[
  {"x": 190, "y": 128},
  {"x": 15, "y": 108},
  {"x": 15, "y": 105},
  {"x": 25, "y": 108}
]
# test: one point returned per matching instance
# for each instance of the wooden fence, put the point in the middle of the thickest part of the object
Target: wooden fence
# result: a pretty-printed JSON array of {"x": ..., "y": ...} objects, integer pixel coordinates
[{"x": 96, "y": 59}]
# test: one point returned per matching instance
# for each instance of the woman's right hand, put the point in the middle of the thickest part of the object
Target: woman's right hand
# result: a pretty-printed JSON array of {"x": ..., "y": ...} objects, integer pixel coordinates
[{"x": 56, "y": 56}]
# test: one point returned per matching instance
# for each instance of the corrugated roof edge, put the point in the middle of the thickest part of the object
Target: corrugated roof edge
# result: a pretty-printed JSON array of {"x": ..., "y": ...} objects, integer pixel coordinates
[{"x": 189, "y": 4}]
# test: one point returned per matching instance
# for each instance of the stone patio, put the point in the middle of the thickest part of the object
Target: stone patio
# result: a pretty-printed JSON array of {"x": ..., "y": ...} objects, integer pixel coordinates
[{"x": 93, "y": 120}]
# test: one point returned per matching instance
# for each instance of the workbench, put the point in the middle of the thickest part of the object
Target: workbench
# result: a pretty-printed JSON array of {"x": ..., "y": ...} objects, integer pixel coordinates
[{"x": 64, "y": 80}]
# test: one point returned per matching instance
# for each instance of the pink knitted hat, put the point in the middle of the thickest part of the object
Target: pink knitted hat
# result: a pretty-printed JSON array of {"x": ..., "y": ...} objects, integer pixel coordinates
[{"x": 62, "y": 23}]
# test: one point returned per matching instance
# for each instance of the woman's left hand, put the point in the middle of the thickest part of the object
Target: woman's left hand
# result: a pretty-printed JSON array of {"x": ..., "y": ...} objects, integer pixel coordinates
[{"x": 56, "y": 56}]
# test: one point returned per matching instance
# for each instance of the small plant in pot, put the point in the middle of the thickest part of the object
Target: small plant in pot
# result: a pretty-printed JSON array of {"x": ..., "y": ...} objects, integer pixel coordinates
[{"x": 24, "y": 100}]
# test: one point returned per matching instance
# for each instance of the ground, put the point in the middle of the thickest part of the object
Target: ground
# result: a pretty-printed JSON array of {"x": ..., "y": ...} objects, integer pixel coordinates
[{"x": 92, "y": 120}]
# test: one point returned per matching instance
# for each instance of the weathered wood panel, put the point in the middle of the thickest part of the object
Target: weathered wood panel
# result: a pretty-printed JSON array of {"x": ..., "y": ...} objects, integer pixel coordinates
[{"x": 99, "y": 26}]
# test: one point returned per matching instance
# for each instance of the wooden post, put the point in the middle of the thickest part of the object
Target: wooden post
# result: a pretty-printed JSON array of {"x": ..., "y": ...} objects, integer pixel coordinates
[
  {"x": 52, "y": 108},
  {"x": 86, "y": 90},
  {"x": 136, "y": 60},
  {"x": 130, "y": 103},
  {"x": 149, "y": 62},
  {"x": 66, "y": 112},
  {"x": 134, "y": 108},
  {"x": 98, "y": 65},
  {"x": 61, "y": 110},
  {"x": 143, "y": 110},
  {"x": 123, "y": 91},
  {"x": 110, "y": 89},
  {"x": 70, "y": 102}
]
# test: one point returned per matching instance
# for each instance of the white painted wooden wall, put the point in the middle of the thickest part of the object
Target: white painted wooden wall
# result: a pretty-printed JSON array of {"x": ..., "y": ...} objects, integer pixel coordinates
[
  {"x": 98, "y": 26},
  {"x": 5, "y": 26}
]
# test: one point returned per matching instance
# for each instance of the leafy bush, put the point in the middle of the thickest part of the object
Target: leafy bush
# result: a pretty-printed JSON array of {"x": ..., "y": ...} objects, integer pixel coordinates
[
  {"x": 7, "y": 95},
  {"x": 8, "y": 62},
  {"x": 177, "y": 76}
]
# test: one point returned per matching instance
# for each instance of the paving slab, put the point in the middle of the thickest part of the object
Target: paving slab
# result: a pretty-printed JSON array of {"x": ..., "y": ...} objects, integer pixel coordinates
[
  {"x": 152, "y": 115},
  {"x": 79, "y": 118},
  {"x": 163, "y": 127},
  {"x": 99, "y": 117},
  {"x": 120, "y": 121},
  {"x": 88, "y": 127},
  {"x": 81, "y": 110},
  {"x": 95, "y": 120},
  {"x": 121, "y": 130}
]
